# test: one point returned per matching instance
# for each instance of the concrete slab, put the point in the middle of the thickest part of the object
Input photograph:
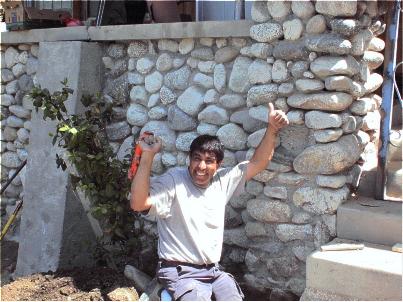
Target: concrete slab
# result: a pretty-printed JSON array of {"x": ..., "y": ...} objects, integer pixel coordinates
[
  {"x": 374, "y": 273},
  {"x": 171, "y": 30},
  {"x": 54, "y": 230},
  {"x": 77, "y": 33},
  {"x": 370, "y": 220},
  {"x": 131, "y": 32}
]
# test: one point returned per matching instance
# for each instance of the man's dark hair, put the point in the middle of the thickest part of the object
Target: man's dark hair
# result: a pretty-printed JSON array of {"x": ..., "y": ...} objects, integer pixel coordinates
[{"x": 208, "y": 143}]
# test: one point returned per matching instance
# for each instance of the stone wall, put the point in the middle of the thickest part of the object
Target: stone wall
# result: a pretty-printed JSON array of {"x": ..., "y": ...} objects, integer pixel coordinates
[
  {"x": 18, "y": 69},
  {"x": 314, "y": 60}
]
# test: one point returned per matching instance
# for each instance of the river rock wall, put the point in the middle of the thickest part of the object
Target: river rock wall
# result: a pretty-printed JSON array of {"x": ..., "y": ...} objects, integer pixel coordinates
[
  {"x": 316, "y": 61},
  {"x": 18, "y": 68}
]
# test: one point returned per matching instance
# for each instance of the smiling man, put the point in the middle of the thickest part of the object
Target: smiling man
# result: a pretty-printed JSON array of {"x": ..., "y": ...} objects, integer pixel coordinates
[{"x": 189, "y": 206}]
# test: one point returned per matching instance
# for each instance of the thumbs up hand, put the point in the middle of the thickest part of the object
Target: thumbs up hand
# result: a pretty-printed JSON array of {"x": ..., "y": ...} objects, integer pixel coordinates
[{"x": 277, "y": 118}]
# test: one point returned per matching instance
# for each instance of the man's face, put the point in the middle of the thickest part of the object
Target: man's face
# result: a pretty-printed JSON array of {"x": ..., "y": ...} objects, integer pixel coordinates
[{"x": 202, "y": 168}]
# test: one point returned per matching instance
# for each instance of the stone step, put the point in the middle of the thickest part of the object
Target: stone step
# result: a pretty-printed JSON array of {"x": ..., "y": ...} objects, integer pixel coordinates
[
  {"x": 373, "y": 273},
  {"x": 370, "y": 220}
]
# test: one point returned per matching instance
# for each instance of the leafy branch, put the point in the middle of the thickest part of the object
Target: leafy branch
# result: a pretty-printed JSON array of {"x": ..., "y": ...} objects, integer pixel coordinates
[{"x": 101, "y": 176}]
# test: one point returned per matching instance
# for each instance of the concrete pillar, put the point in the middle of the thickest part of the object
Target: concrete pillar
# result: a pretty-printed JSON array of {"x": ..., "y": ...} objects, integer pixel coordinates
[{"x": 55, "y": 231}]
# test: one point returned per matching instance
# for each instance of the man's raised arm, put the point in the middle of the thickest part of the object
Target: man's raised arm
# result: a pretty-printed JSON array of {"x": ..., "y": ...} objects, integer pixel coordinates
[
  {"x": 140, "y": 188},
  {"x": 264, "y": 152}
]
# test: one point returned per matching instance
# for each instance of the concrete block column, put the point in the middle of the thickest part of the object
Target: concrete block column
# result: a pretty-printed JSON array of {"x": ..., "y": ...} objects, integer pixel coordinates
[{"x": 55, "y": 231}]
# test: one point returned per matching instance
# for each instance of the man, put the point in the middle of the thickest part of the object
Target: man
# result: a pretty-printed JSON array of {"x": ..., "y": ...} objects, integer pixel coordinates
[{"x": 189, "y": 206}]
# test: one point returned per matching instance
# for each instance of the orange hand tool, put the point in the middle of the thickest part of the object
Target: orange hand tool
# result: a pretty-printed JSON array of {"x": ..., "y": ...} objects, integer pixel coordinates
[{"x": 148, "y": 137}]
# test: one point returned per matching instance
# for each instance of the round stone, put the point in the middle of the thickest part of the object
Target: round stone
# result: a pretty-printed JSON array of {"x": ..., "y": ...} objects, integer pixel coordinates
[
  {"x": 32, "y": 66},
  {"x": 8, "y": 134},
  {"x": 137, "y": 115},
  {"x": 153, "y": 100},
  {"x": 138, "y": 94},
  {"x": 261, "y": 94},
  {"x": 11, "y": 57},
  {"x": 346, "y": 27},
  {"x": 329, "y": 65},
  {"x": 135, "y": 78},
  {"x": 108, "y": 62},
  {"x": 322, "y": 120},
  {"x": 203, "y": 80},
  {"x": 220, "y": 77},
  {"x": 269, "y": 211},
  {"x": 137, "y": 49},
  {"x": 266, "y": 32},
  {"x": 259, "y": 72},
  {"x": 232, "y": 136},
  {"x": 307, "y": 85},
  {"x": 191, "y": 100},
  {"x": 259, "y": 11},
  {"x": 293, "y": 29},
  {"x": 296, "y": 117},
  {"x": 157, "y": 113},
  {"x": 214, "y": 115},
  {"x": 203, "y": 53},
  {"x": 186, "y": 46},
  {"x": 211, "y": 97},
  {"x": 226, "y": 54},
  {"x": 329, "y": 158},
  {"x": 206, "y": 66},
  {"x": 179, "y": 120},
  {"x": 316, "y": 25},
  {"x": 118, "y": 131},
  {"x": 168, "y": 159},
  {"x": 10, "y": 160},
  {"x": 153, "y": 82},
  {"x": 18, "y": 69},
  {"x": 164, "y": 62},
  {"x": 23, "y": 135},
  {"x": 336, "y": 8},
  {"x": 167, "y": 95},
  {"x": 327, "y": 135},
  {"x": 328, "y": 43},
  {"x": 25, "y": 83},
  {"x": 178, "y": 79},
  {"x": 169, "y": 45},
  {"x": 14, "y": 122},
  {"x": 19, "y": 111},
  {"x": 116, "y": 51},
  {"x": 303, "y": 9},
  {"x": 279, "y": 9},
  {"x": 204, "y": 128},
  {"x": 231, "y": 101},
  {"x": 144, "y": 65},
  {"x": 320, "y": 200},
  {"x": 6, "y": 75},
  {"x": 279, "y": 71},
  {"x": 184, "y": 140},
  {"x": 331, "y": 181}
]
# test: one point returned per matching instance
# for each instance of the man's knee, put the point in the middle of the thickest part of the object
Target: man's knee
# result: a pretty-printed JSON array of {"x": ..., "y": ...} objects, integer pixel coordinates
[
  {"x": 225, "y": 288},
  {"x": 192, "y": 290}
]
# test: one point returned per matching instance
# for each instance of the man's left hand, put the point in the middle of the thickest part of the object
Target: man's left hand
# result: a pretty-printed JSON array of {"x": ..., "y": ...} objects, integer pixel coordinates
[{"x": 277, "y": 118}]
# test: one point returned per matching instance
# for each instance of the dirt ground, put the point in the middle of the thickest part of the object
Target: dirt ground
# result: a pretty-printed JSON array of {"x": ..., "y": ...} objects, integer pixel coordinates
[
  {"x": 79, "y": 284},
  {"x": 94, "y": 284}
]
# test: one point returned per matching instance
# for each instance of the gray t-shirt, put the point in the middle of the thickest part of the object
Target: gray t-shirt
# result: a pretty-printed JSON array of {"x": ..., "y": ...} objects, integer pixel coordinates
[{"x": 190, "y": 219}]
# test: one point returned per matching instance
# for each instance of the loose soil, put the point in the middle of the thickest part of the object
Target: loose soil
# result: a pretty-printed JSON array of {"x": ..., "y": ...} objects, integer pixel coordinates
[
  {"x": 81, "y": 284},
  {"x": 78, "y": 284}
]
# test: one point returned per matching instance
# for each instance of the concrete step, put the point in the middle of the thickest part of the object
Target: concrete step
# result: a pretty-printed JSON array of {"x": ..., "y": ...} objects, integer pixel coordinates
[
  {"x": 373, "y": 273},
  {"x": 370, "y": 220}
]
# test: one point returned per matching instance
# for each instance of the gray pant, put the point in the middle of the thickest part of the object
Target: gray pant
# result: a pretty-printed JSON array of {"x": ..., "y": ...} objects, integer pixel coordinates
[{"x": 187, "y": 283}]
